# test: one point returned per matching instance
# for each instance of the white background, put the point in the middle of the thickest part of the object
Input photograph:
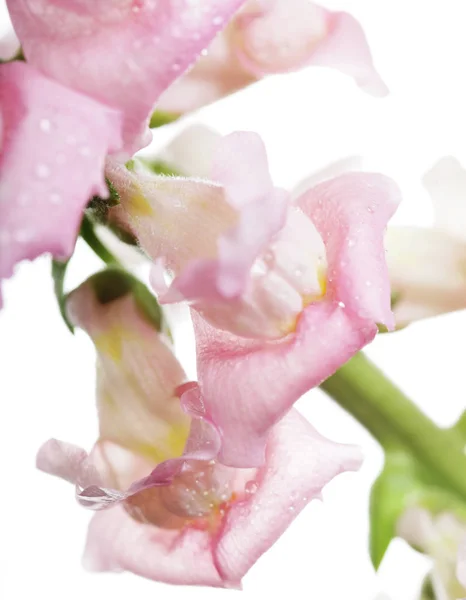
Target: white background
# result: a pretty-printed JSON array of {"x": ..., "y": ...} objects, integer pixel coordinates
[{"x": 307, "y": 120}]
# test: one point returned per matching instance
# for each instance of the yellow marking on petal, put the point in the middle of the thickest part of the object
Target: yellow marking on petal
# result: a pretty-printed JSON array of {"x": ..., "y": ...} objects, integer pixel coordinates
[
  {"x": 170, "y": 446},
  {"x": 110, "y": 343},
  {"x": 322, "y": 279},
  {"x": 138, "y": 205},
  {"x": 290, "y": 325}
]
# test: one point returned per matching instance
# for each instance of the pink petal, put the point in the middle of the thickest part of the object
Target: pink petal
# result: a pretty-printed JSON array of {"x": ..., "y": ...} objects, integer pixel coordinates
[
  {"x": 299, "y": 463},
  {"x": 241, "y": 167},
  {"x": 248, "y": 385},
  {"x": 275, "y": 36},
  {"x": 351, "y": 213},
  {"x": 53, "y": 143},
  {"x": 345, "y": 48},
  {"x": 116, "y": 542},
  {"x": 123, "y": 53}
]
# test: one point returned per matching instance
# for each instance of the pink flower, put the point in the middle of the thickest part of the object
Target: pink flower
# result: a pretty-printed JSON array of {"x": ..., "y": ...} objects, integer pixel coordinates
[
  {"x": 53, "y": 143},
  {"x": 275, "y": 36},
  {"x": 94, "y": 72},
  {"x": 284, "y": 293},
  {"x": 123, "y": 53},
  {"x": 169, "y": 514}
]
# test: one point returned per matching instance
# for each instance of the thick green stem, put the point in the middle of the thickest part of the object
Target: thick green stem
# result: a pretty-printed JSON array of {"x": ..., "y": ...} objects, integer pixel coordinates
[
  {"x": 89, "y": 236},
  {"x": 392, "y": 418}
]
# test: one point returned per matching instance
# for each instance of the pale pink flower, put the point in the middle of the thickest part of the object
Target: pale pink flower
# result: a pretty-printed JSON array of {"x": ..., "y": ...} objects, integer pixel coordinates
[
  {"x": 275, "y": 36},
  {"x": 428, "y": 265},
  {"x": 53, "y": 144},
  {"x": 123, "y": 53},
  {"x": 439, "y": 536},
  {"x": 167, "y": 513},
  {"x": 94, "y": 72},
  {"x": 288, "y": 292}
]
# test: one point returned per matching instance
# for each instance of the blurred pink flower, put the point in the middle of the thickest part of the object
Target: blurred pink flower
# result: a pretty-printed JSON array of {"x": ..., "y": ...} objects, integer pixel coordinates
[
  {"x": 284, "y": 293},
  {"x": 275, "y": 36},
  {"x": 169, "y": 514},
  {"x": 94, "y": 71}
]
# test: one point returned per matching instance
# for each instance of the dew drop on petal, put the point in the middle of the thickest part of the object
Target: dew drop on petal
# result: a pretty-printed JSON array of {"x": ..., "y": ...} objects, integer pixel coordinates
[
  {"x": 55, "y": 198},
  {"x": 42, "y": 171},
  {"x": 250, "y": 488},
  {"x": 217, "y": 20},
  {"x": 45, "y": 125}
]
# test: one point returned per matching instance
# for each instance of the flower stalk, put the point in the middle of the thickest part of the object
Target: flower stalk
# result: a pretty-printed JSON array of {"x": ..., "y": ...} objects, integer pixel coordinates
[{"x": 393, "y": 419}]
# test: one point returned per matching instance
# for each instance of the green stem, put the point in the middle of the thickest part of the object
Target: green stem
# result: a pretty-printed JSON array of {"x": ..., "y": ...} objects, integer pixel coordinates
[
  {"x": 89, "y": 236},
  {"x": 392, "y": 418}
]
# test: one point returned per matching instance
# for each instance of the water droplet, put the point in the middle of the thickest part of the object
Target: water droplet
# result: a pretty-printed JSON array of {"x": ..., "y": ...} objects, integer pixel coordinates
[
  {"x": 42, "y": 171},
  {"x": 368, "y": 283},
  {"x": 370, "y": 209},
  {"x": 341, "y": 304},
  {"x": 45, "y": 125},
  {"x": 204, "y": 52},
  {"x": 351, "y": 243},
  {"x": 84, "y": 151},
  {"x": 217, "y": 20},
  {"x": 55, "y": 198},
  {"x": 292, "y": 508},
  {"x": 250, "y": 488}
]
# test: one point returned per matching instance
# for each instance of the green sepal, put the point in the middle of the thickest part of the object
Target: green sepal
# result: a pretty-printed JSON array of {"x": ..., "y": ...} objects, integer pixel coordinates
[
  {"x": 58, "y": 274},
  {"x": 403, "y": 483},
  {"x": 159, "y": 167},
  {"x": 160, "y": 118},
  {"x": 113, "y": 283},
  {"x": 392, "y": 492}
]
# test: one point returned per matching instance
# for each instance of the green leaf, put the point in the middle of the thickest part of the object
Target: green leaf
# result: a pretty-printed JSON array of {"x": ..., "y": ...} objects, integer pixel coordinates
[{"x": 58, "y": 274}]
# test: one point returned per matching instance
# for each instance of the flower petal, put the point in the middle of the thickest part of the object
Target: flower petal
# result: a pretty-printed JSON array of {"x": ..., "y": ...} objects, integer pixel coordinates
[
  {"x": 299, "y": 463},
  {"x": 351, "y": 213},
  {"x": 427, "y": 272},
  {"x": 151, "y": 44},
  {"x": 240, "y": 166},
  {"x": 239, "y": 214},
  {"x": 191, "y": 152},
  {"x": 446, "y": 184},
  {"x": 9, "y": 45},
  {"x": 53, "y": 143},
  {"x": 345, "y": 48},
  {"x": 137, "y": 374},
  {"x": 247, "y": 385},
  {"x": 275, "y": 36},
  {"x": 116, "y": 542}
]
